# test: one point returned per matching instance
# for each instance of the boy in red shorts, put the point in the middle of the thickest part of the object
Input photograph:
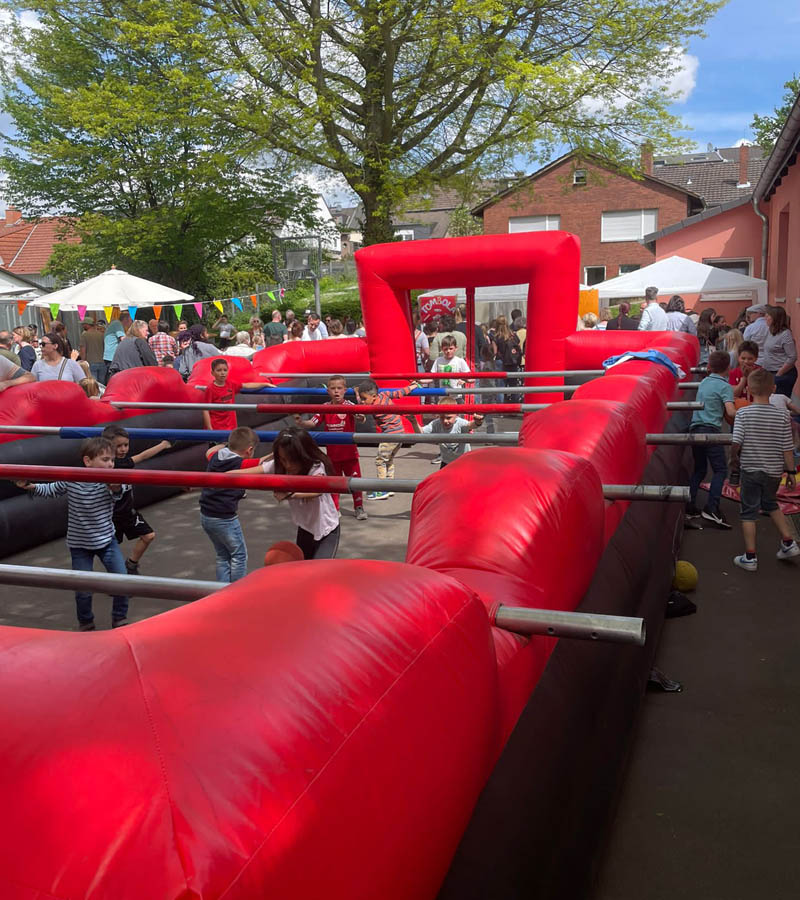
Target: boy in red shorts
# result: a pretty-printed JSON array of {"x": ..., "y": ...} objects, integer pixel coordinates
[
  {"x": 224, "y": 390},
  {"x": 344, "y": 457}
]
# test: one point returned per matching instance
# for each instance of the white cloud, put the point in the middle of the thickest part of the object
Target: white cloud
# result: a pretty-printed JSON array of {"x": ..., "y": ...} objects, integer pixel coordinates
[{"x": 682, "y": 81}]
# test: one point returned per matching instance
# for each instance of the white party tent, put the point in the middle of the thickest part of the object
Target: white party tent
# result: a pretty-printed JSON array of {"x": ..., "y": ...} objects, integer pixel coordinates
[
  {"x": 676, "y": 275},
  {"x": 112, "y": 288}
]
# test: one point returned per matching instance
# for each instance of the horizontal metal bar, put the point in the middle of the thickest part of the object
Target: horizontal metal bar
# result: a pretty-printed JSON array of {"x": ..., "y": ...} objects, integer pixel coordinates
[
  {"x": 685, "y": 404},
  {"x": 180, "y": 589},
  {"x": 691, "y": 438},
  {"x": 403, "y": 409},
  {"x": 699, "y": 370},
  {"x": 583, "y": 626},
  {"x": 436, "y": 376},
  {"x": 673, "y": 493}
]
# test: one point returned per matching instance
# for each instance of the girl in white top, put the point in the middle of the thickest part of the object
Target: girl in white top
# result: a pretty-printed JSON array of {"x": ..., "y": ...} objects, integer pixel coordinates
[{"x": 316, "y": 516}]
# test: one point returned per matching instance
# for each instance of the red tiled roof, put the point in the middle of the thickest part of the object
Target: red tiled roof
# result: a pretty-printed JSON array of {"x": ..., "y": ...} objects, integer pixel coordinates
[{"x": 25, "y": 247}]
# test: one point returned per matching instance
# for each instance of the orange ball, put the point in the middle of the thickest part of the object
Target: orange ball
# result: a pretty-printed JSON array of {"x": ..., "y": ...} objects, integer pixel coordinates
[{"x": 282, "y": 552}]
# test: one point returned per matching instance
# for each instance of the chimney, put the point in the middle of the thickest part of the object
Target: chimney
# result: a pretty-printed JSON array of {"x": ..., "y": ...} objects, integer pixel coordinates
[
  {"x": 744, "y": 156},
  {"x": 647, "y": 159},
  {"x": 13, "y": 215}
]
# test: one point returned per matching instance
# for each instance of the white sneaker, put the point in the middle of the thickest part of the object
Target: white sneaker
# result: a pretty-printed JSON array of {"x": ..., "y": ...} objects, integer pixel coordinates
[
  {"x": 749, "y": 565},
  {"x": 361, "y": 513},
  {"x": 436, "y": 460},
  {"x": 787, "y": 551}
]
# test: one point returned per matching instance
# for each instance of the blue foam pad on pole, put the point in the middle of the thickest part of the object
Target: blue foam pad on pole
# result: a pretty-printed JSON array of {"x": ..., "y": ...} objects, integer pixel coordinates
[{"x": 201, "y": 435}]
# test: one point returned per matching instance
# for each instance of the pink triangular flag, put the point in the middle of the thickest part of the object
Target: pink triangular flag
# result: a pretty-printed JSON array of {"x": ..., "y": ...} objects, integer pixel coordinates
[
  {"x": 199, "y": 308},
  {"x": 81, "y": 312}
]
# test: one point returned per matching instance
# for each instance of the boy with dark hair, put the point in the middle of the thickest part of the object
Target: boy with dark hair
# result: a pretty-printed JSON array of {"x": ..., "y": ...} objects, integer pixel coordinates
[
  {"x": 717, "y": 396},
  {"x": 224, "y": 390},
  {"x": 387, "y": 423},
  {"x": 450, "y": 423},
  {"x": 219, "y": 507},
  {"x": 762, "y": 452},
  {"x": 90, "y": 527},
  {"x": 746, "y": 363},
  {"x": 449, "y": 362},
  {"x": 343, "y": 457},
  {"x": 128, "y": 522}
]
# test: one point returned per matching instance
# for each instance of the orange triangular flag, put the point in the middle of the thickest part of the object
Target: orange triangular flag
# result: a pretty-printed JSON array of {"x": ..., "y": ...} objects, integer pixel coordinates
[
  {"x": 21, "y": 304},
  {"x": 254, "y": 300},
  {"x": 157, "y": 311}
]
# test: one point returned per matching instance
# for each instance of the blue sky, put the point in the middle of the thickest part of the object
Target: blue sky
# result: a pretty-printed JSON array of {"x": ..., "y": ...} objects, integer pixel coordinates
[{"x": 751, "y": 50}]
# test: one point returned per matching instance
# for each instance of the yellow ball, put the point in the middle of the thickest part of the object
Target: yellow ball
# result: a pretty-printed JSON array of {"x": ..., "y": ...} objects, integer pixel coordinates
[{"x": 685, "y": 578}]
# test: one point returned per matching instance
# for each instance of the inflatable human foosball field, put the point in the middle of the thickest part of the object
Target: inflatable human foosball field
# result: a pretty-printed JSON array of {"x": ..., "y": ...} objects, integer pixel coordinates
[{"x": 362, "y": 728}]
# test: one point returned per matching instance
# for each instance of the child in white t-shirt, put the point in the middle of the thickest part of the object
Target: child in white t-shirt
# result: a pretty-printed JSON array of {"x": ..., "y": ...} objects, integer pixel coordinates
[
  {"x": 295, "y": 452},
  {"x": 449, "y": 362}
]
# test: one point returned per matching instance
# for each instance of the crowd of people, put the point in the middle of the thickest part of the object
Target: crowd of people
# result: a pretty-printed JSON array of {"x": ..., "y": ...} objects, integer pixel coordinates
[{"x": 751, "y": 365}]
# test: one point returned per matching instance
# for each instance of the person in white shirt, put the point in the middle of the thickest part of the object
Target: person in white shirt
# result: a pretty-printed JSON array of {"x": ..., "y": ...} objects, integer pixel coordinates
[
  {"x": 315, "y": 329},
  {"x": 758, "y": 329},
  {"x": 241, "y": 347},
  {"x": 677, "y": 319},
  {"x": 449, "y": 362},
  {"x": 653, "y": 316}
]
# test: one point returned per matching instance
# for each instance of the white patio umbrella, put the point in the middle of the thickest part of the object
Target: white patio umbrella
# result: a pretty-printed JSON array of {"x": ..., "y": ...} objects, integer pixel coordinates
[
  {"x": 112, "y": 288},
  {"x": 676, "y": 275}
]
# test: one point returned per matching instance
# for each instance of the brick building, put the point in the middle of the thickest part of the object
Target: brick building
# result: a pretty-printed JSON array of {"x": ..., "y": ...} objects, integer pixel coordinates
[{"x": 610, "y": 212}]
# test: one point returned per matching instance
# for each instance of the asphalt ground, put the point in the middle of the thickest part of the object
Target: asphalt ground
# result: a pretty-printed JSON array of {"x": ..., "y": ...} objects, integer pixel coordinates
[{"x": 710, "y": 808}]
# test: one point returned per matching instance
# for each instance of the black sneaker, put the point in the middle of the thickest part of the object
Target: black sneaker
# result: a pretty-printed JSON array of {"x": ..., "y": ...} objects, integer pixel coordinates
[
  {"x": 716, "y": 517},
  {"x": 132, "y": 567},
  {"x": 692, "y": 512},
  {"x": 118, "y": 623},
  {"x": 86, "y": 626}
]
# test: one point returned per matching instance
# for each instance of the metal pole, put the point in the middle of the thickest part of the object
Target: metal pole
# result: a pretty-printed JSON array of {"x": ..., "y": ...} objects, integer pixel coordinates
[
  {"x": 180, "y": 589},
  {"x": 689, "y": 438},
  {"x": 584, "y": 626},
  {"x": 668, "y": 492},
  {"x": 433, "y": 376},
  {"x": 422, "y": 391},
  {"x": 685, "y": 404}
]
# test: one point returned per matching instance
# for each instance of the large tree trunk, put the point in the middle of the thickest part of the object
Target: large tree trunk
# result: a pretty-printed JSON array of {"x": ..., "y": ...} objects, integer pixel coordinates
[{"x": 378, "y": 228}]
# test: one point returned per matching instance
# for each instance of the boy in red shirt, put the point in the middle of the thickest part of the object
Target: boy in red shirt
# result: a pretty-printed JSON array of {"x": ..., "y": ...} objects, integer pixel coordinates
[
  {"x": 224, "y": 390},
  {"x": 748, "y": 354},
  {"x": 343, "y": 457}
]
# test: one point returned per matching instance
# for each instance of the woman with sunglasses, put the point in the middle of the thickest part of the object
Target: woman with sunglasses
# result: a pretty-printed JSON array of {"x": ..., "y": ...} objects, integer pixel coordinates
[{"x": 55, "y": 364}]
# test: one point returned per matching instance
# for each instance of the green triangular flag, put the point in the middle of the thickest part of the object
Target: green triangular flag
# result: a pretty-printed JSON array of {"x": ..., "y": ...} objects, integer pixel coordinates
[
  {"x": 178, "y": 309},
  {"x": 54, "y": 310},
  {"x": 271, "y": 296}
]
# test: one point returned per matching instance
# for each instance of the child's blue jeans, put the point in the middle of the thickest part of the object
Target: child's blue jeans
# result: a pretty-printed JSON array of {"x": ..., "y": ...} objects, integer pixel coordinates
[
  {"x": 83, "y": 560},
  {"x": 228, "y": 540}
]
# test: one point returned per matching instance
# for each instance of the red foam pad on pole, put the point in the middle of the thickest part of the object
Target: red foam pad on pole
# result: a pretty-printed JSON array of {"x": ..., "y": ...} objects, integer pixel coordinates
[
  {"x": 341, "y": 355},
  {"x": 314, "y": 730},
  {"x": 396, "y": 407}
]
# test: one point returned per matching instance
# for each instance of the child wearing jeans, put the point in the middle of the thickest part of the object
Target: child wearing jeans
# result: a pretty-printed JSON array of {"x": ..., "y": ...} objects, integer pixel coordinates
[
  {"x": 762, "y": 452},
  {"x": 219, "y": 507},
  {"x": 90, "y": 527}
]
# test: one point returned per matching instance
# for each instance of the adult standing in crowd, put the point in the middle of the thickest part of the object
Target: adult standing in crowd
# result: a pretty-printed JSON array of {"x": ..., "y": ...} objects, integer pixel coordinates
[
  {"x": 447, "y": 326},
  {"x": 92, "y": 349},
  {"x": 162, "y": 343},
  {"x": 6, "y": 343},
  {"x": 241, "y": 347},
  {"x": 623, "y": 321},
  {"x": 23, "y": 338},
  {"x": 653, "y": 316},
  {"x": 225, "y": 331},
  {"x": 276, "y": 331},
  {"x": 508, "y": 353},
  {"x": 192, "y": 345},
  {"x": 114, "y": 334},
  {"x": 779, "y": 354},
  {"x": 55, "y": 364},
  {"x": 258, "y": 338},
  {"x": 296, "y": 330},
  {"x": 461, "y": 326},
  {"x": 677, "y": 320},
  {"x": 315, "y": 329},
  {"x": 133, "y": 350},
  {"x": 758, "y": 329}
]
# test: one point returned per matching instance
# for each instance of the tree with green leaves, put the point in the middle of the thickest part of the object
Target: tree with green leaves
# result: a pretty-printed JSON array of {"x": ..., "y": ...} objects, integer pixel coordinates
[
  {"x": 767, "y": 128},
  {"x": 112, "y": 130},
  {"x": 397, "y": 95}
]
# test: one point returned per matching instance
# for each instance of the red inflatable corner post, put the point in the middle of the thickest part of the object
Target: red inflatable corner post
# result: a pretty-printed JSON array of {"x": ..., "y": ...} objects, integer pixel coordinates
[{"x": 548, "y": 261}]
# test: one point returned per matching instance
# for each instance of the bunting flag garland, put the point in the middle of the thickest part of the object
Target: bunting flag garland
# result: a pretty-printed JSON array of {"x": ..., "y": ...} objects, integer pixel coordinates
[
  {"x": 199, "y": 308},
  {"x": 157, "y": 311},
  {"x": 178, "y": 307},
  {"x": 254, "y": 300},
  {"x": 108, "y": 310},
  {"x": 132, "y": 311},
  {"x": 81, "y": 312},
  {"x": 21, "y": 306},
  {"x": 54, "y": 310},
  {"x": 271, "y": 295},
  {"x": 237, "y": 303},
  {"x": 283, "y": 293},
  {"x": 218, "y": 304}
]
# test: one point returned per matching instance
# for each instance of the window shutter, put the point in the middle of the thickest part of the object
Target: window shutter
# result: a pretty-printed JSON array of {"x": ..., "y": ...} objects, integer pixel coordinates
[
  {"x": 518, "y": 224},
  {"x": 628, "y": 224}
]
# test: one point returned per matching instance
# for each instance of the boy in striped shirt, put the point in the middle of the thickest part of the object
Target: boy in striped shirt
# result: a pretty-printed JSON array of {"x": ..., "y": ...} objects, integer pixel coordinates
[
  {"x": 388, "y": 423},
  {"x": 90, "y": 527},
  {"x": 762, "y": 451}
]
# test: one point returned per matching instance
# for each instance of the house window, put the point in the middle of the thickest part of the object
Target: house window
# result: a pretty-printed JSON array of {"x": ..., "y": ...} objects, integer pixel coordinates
[
  {"x": 406, "y": 234},
  {"x": 629, "y": 267},
  {"x": 579, "y": 176},
  {"x": 594, "y": 275},
  {"x": 627, "y": 224},
  {"x": 739, "y": 266},
  {"x": 517, "y": 224}
]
